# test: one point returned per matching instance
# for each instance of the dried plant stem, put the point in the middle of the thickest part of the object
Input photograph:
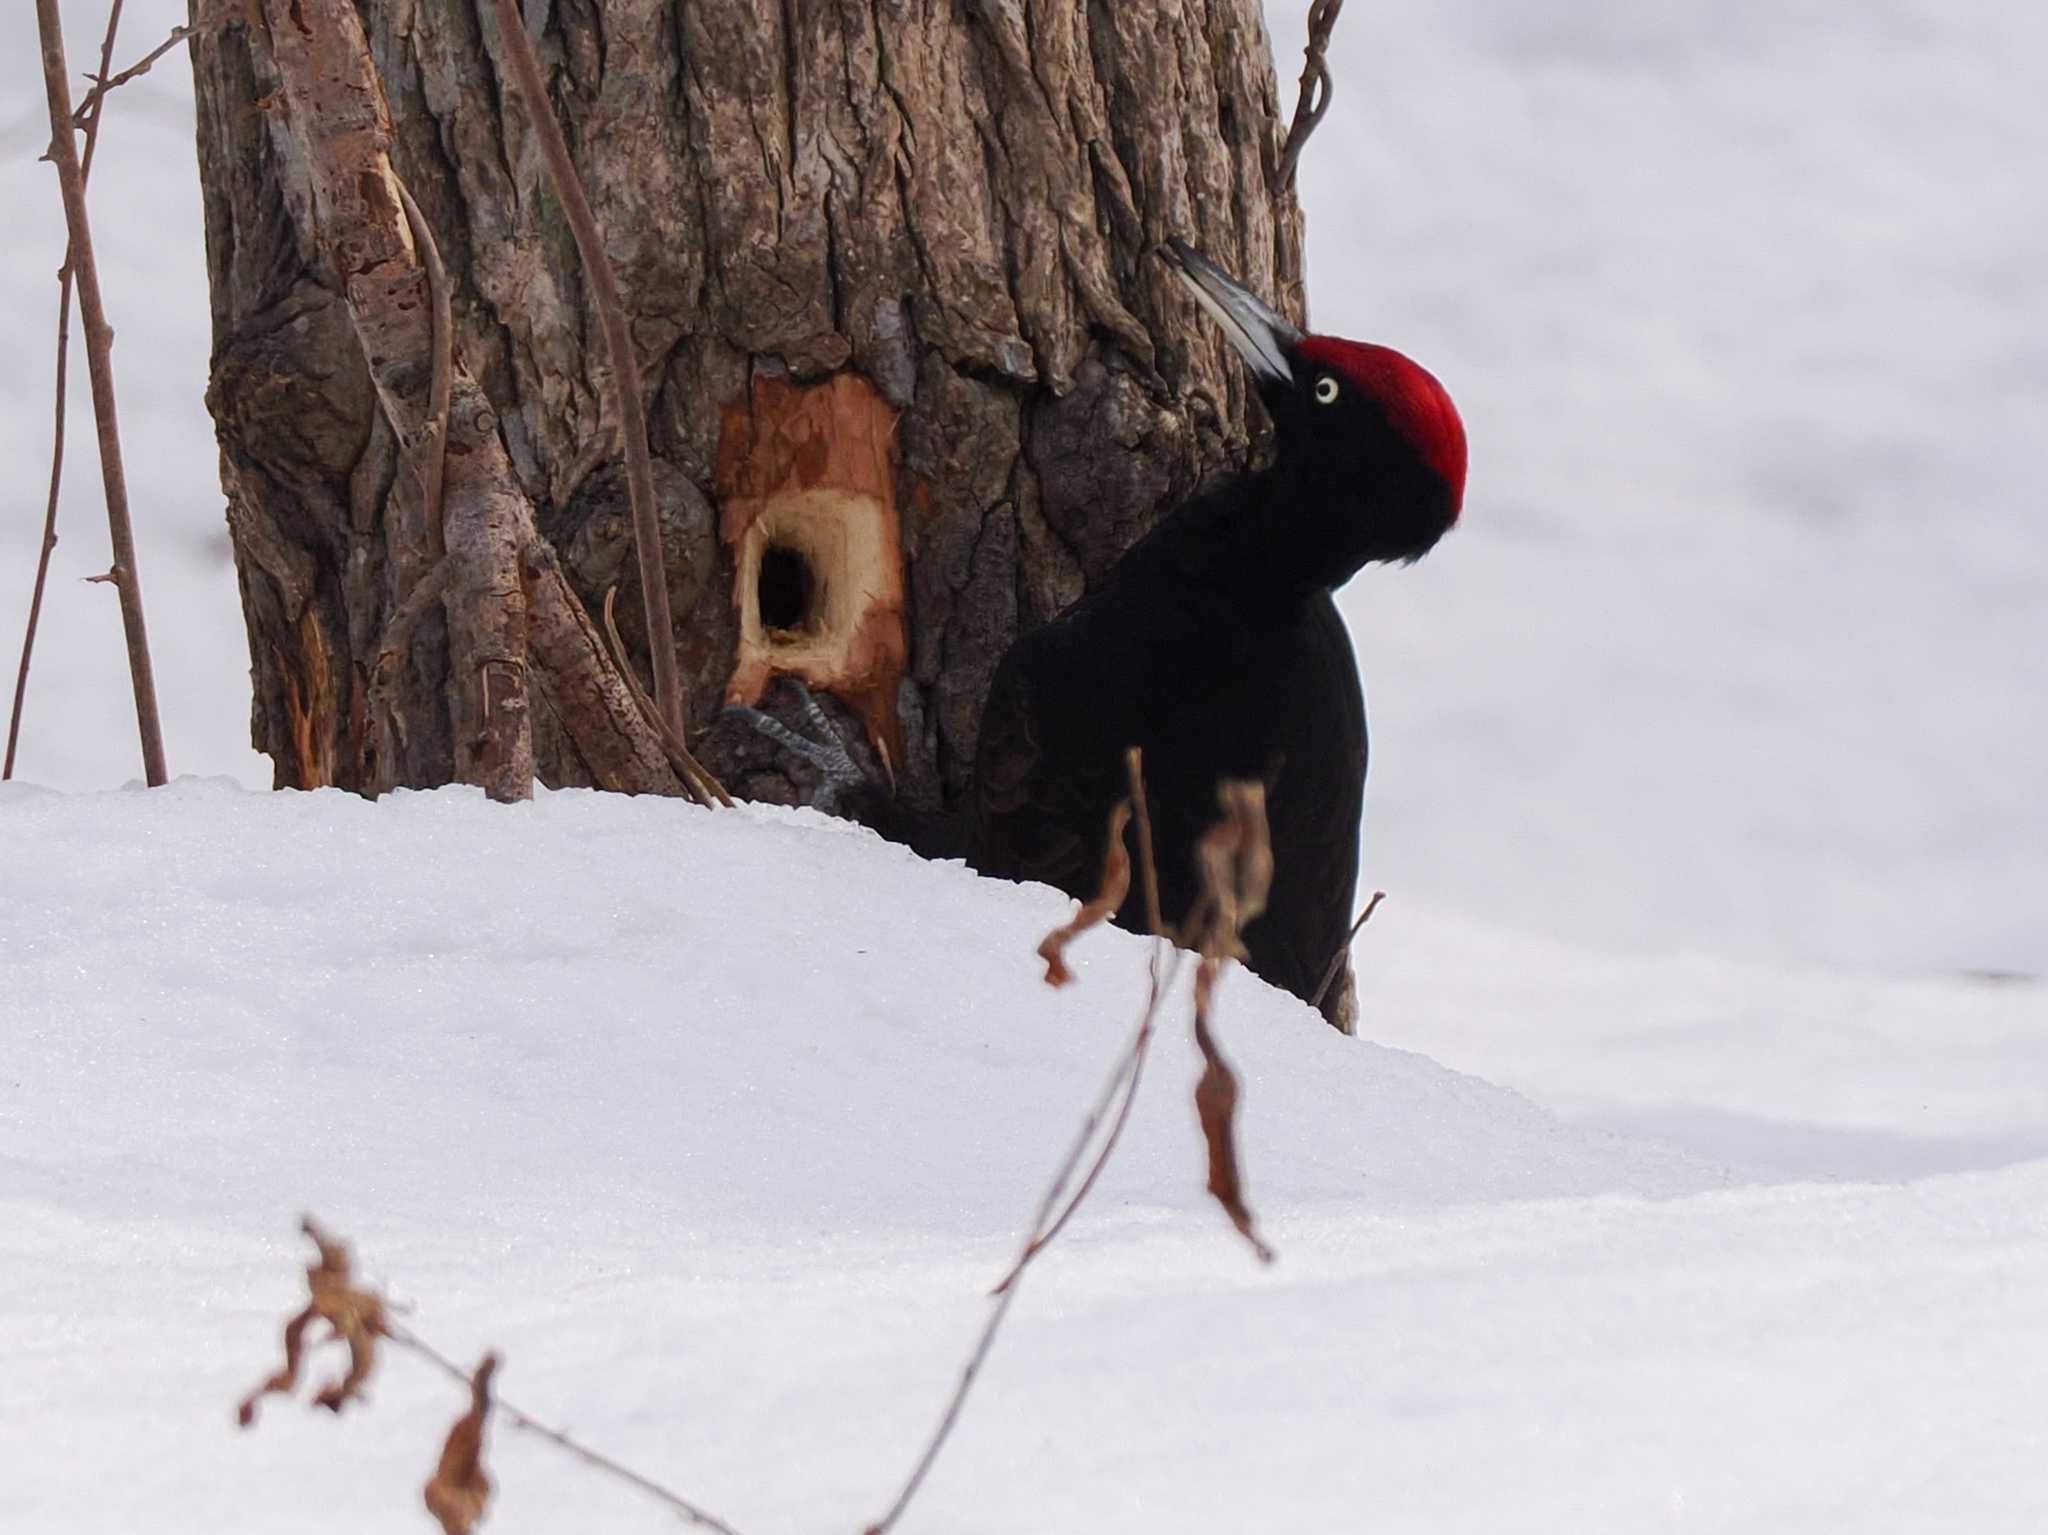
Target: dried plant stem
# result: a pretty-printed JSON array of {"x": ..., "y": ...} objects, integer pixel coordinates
[
  {"x": 1130, "y": 1069},
  {"x": 430, "y": 439},
  {"x": 35, "y": 601},
  {"x": 527, "y": 1423},
  {"x": 625, "y": 369},
  {"x": 99, "y": 338},
  {"x": 698, "y": 779},
  {"x": 1148, "y": 867},
  {"x": 1044, "y": 1227},
  {"x": 1336, "y": 965},
  {"x": 1125, "y": 1080},
  {"x": 104, "y": 82},
  {"x": 1314, "y": 99},
  {"x": 88, "y": 117},
  {"x": 1121, "y": 1089},
  {"x": 433, "y": 432}
]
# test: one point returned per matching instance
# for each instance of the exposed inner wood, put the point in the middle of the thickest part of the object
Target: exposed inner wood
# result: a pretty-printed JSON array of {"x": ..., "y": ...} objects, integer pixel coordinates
[
  {"x": 310, "y": 705},
  {"x": 807, "y": 504},
  {"x": 937, "y": 218}
]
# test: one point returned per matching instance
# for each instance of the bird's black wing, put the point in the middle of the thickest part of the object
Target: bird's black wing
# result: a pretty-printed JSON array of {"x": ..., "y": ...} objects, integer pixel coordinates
[
  {"x": 1047, "y": 767},
  {"x": 1314, "y": 806}
]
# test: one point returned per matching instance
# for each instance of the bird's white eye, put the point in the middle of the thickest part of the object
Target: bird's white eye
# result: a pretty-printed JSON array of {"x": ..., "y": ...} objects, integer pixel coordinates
[{"x": 1326, "y": 390}]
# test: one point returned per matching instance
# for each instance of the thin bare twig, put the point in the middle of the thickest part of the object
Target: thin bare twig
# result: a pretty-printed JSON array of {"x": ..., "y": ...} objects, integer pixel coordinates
[
  {"x": 104, "y": 82},
  {"x": 704, "y": 787},
  {"x": 597, "y": 267},
  {"x": 1148, "y": 868},
  {"x": 99, "y": 339},
  {"x": 430, "y": 438},
  {"x": 1124, "y": 1079},
  {"x": 88, "y": 118},
  {"x": 433, "y": 432},
  {"x": 1128, "y": 1076},
  {"x": 527, "y": 1423},
  {"x": 397, "y": 635},
  {"x": 1130, "y": 1071},
  {"x": 1314, "y": 98},
  {"x": 35, "y": 601},
  {"x": 1336, "y": 964}
]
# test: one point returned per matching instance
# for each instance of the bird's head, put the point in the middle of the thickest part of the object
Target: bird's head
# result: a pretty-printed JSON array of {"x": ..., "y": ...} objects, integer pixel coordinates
[{"x": 1370, "y": 436}]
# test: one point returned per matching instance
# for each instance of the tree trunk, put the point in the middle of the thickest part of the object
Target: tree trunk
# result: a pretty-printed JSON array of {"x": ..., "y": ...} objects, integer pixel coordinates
[{"x": 914, "y": 378}]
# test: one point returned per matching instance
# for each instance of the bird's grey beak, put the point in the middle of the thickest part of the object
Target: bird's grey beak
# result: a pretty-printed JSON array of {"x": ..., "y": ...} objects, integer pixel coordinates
[{"x": 1261, "y": 336}]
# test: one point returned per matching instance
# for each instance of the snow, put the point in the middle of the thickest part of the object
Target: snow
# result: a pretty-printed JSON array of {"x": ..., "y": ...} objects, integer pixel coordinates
[
  {"x": 720, "y": 1125},
  {"x": 1744, "y": 635},
  {"x": 1706, "y": 788},
  {"x": 1780, "y": 1072},
  {"x": 1742, "y": 642}
]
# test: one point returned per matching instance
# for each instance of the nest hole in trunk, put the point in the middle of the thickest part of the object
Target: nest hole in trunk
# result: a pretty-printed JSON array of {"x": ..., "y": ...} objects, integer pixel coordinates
[{"x": 786, "y": 589}]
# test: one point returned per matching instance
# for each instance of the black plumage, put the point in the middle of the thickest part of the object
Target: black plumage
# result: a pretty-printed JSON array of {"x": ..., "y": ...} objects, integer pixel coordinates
[{"x": 1214, "y": 645}]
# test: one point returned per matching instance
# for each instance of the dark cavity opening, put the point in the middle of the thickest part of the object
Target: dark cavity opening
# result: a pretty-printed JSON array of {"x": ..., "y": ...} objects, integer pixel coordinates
[{"x": 786, "y": 588}]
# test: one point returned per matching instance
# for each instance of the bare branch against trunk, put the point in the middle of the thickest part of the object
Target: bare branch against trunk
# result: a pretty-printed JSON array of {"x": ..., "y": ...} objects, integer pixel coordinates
[
  {"x": 104, "y": 82},
  {"x": 99, "y": 343},
  {"x": 625, "y": 366},
  {"x": 913, "y": 377}
]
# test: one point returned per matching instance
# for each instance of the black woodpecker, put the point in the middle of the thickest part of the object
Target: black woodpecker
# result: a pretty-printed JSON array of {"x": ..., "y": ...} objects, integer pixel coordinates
[{"x": 1215, "y": 647}]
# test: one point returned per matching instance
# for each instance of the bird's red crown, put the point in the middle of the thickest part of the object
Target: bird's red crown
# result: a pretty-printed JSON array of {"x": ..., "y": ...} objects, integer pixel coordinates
[{"x": 1416, "y": 404}]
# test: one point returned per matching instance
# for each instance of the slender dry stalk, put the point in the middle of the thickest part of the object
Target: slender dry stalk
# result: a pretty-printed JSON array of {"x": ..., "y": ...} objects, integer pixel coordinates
[
  {"x": 433, "y": 432},
  {"x": 1122, "y": 1088},
  {"x": 704, "y": 787},
  {"x": 88, "y": 119},
  {"x": 1148, "y": 867},
  {"x": 1314, "y": 99},
  {"x": 429, "y": 438},
  {"x": 1126, "y": 1078},
  {"x": 35, "y": 601},
  {"x": 1336, "y": 964},
  {"x": 104, "y": 82},
  {"x": 527, "y": 1423},
  {"x": 604, "y": 291},
  {"x": 1130, "y": 1071},
  {"x": 99, "y": 340}
]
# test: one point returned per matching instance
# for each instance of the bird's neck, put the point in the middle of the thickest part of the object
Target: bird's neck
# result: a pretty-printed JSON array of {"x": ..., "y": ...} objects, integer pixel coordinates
[{"x": 1258, "y": 536}]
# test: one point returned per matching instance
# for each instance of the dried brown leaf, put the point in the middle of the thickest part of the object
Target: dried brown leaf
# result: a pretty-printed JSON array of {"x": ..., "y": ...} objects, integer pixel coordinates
[
  {"x": 355, "y": 1317},
  {"x": 1109, "y": 895},
  {"x": 1216, "y": 1105},
  {"x": 1235, "y": 860},
  {"x": 460, "y": 1488}
]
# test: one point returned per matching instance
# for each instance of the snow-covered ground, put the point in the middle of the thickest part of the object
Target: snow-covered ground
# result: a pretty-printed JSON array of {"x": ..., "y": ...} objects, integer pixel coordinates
[
  {"x": 720, "y": 1125},
  {"x": 1744, "y": 641},
  {"x": 1707, "y": 774}
]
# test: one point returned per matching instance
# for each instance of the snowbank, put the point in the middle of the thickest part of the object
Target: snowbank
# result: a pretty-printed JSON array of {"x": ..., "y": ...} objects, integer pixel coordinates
[
  {"x": 720, "y": 1126},
  {"x": 1740, "y": 644}
]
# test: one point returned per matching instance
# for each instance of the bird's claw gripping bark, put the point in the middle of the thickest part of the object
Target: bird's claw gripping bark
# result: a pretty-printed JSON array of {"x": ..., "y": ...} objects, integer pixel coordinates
[{"x": 825, "y": 751}]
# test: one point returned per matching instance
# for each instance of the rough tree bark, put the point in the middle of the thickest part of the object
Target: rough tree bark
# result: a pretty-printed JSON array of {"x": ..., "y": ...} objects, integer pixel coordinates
[{"x": 914, "y": 377}]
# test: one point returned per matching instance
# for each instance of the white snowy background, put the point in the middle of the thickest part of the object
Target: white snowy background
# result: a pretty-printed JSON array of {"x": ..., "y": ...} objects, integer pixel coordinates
[{"x": 1707, "y": 786}]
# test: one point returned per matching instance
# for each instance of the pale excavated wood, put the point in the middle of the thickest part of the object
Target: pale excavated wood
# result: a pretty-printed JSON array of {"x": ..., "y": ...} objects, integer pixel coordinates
[{"x": 957, "y": 200}]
